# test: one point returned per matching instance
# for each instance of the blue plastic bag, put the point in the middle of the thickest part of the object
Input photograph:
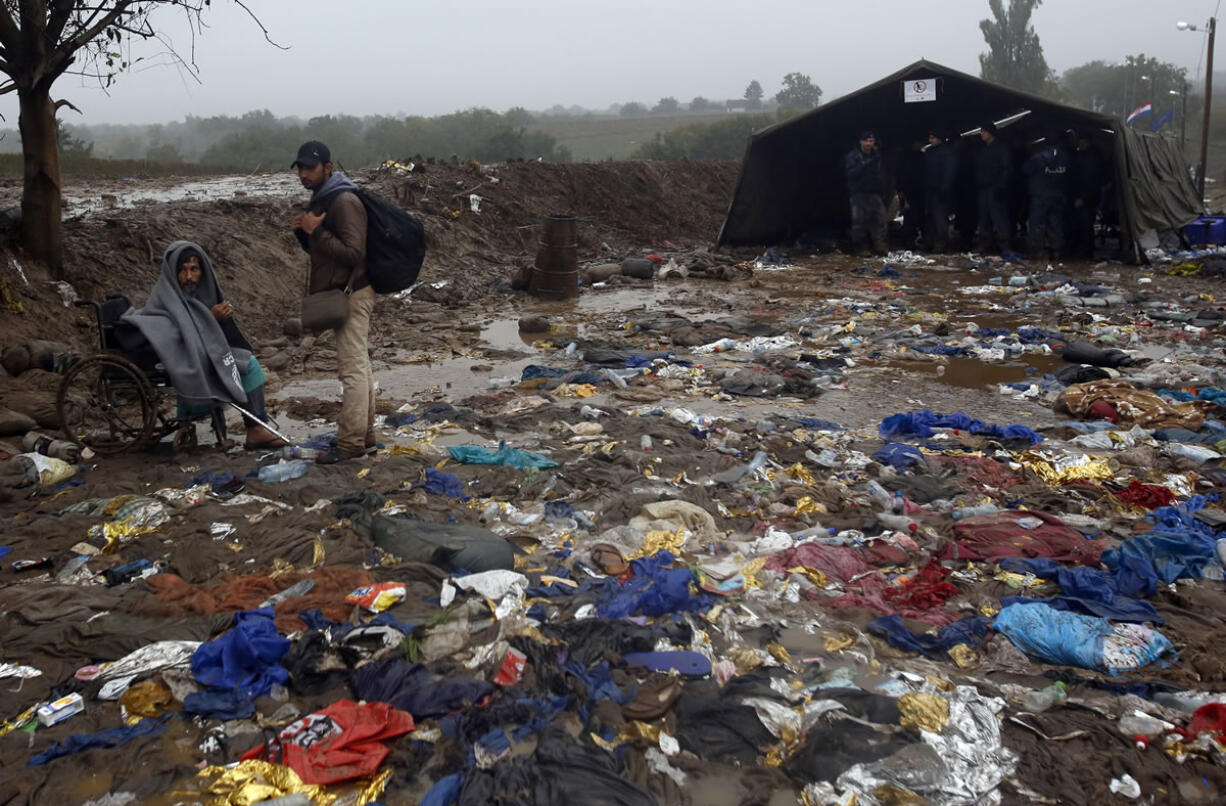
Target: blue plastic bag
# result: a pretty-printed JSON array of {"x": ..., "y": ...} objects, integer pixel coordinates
[
  {"x": 512, "y": 457},
  {"x": 1071, "y": 639}
]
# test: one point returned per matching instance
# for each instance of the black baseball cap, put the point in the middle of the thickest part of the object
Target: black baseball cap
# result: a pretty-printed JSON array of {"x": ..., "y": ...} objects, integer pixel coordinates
[
  {"x": 867, "y": 134},
  {"x": 311, "y": 153}
]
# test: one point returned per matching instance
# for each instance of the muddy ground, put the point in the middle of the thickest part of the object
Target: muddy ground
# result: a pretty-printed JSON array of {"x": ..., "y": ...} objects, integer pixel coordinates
[{"x": 456, "y": 341}]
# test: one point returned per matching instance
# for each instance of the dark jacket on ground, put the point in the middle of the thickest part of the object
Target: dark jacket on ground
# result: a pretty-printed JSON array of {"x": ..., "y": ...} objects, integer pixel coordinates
[
  {"x": 337, "y": 246},
  {"x": 864, "y": 172},
  {"x": 994, "y": 166},
  {"x": 1047, "y": 173},
  {"x": 940, "y": 169}
]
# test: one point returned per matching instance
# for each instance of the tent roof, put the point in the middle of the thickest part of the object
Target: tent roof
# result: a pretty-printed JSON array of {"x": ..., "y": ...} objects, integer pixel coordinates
[{"x": 791, "y": 178}]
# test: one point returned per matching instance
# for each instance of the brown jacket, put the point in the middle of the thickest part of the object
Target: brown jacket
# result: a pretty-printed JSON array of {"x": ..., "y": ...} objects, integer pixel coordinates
[{"x": 338, "y": 247}]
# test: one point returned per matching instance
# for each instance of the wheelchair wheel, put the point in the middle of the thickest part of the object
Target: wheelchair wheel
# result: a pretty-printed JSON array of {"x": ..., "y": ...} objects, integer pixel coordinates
[{"x": 107, "y": 404}]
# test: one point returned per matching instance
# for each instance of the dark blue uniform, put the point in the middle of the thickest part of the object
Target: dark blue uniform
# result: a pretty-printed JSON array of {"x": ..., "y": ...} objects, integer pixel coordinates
[
  {"x": 993, "y": 176},
  {"x": 1047, "y": 174},
  {"x": 865, "y": 177},
  {"x": 940, "y": 175},
  {"x": 1085, "y": 190}
]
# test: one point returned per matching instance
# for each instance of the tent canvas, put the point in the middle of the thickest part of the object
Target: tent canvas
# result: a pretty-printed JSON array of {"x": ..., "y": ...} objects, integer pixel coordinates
[{"x": 791, "y": 179}]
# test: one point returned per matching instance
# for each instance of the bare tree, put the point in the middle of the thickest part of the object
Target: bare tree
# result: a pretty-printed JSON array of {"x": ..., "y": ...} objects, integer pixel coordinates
[{"x": 42, "y": 40}]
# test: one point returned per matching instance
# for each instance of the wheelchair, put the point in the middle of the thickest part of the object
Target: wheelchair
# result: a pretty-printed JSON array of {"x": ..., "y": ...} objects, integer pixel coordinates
[{"x": 118, "y": 400}]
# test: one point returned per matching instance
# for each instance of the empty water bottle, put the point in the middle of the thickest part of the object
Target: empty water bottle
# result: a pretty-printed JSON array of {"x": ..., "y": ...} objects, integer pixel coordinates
[
  {"x": 899, "y": 523},
  {"x": 1142, "y": 725},
  {"x": 1039, "y": 701},
  {"x": 884, "y": 499},
  {"x": 757, "y": 463},
  {"x": 284, "y": 471},
  {"x": 975, "y": 512},
  {"x": 297, "y": 589},
  {"x": 645, "y": 442},
  {"x": 299, "y": 452}
]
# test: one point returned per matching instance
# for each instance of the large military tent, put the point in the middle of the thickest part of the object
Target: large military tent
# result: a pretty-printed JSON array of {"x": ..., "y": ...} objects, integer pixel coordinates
[{"x": 791, "y": 179}]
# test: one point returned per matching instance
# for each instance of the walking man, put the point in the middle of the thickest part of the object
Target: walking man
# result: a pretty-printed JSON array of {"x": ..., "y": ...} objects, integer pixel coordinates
[
  {"x": 865, "y": 176},
  {"x": 333, "y": 232}
]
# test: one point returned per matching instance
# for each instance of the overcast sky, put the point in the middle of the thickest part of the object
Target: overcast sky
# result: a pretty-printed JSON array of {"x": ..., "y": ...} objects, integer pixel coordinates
[{"x": 411, "y": 57}]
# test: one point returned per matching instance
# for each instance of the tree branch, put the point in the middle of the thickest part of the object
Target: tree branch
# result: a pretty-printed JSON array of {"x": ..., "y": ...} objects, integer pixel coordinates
[
  {"x": 65, "y": 102},
  {"x": 258, "y": 22}
]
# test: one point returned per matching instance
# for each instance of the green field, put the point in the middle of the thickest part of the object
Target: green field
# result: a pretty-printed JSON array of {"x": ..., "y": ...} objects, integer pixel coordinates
[{"x": 613, "y": 137}]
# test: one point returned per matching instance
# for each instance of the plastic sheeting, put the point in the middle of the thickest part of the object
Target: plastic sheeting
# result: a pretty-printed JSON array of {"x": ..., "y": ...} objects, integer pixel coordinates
[
  {"x": 511, "y": 457},
  {"x": 246, "y": 658},
  {"x": 922, "y": 422},
  {"x": 1178, "y": 546},
  {"x": 1071, "y": 639}
]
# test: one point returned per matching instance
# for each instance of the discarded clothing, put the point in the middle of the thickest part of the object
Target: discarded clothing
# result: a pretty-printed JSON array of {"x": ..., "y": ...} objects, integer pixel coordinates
[
  {"x": 114, "y": 737},
  {"x": 440, "y": 483},
  {"x": 1015, "y": 533},
  {"x": 1131, "y": 406},
  {"x": 920, "y": 423},
  {"x": 654, "y": 589},
  {"x": 1179, "y": 546},
  {"x": 342, "y": 742},
  {"x": 899, "y": 455},
  {"x": 971, "y": 631},
  {"x": 1071, "y": 639},
  {"x": 1084, "y": 590},
  {"x": 245, "y": 658},
  {"x": 413, "y": 688},
  {"x": 512, "y": 457}
]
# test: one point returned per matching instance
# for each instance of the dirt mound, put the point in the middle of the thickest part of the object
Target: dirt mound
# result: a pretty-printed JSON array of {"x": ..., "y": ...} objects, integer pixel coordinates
[{"x": 623, "y": 207}]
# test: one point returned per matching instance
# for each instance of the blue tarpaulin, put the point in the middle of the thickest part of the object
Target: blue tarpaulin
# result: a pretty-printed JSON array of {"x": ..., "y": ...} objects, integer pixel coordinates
[{"x": 920, "y": 423}]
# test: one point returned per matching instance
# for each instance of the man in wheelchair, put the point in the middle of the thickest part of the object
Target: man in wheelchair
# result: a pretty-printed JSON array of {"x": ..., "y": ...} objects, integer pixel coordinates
[{"x": 188, "y": 326}]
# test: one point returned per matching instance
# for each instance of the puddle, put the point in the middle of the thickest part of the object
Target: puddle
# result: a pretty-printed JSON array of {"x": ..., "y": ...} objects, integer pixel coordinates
[
  {"x": 138, "y": 192},
  {"x": 970, "y": 373},
  {"x": 504, "y": 334},
  {"x": 450, "y": 377}
]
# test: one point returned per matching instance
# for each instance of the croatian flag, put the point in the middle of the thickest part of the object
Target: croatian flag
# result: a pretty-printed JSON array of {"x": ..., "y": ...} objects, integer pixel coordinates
[{"x": 1141, "y": 111}]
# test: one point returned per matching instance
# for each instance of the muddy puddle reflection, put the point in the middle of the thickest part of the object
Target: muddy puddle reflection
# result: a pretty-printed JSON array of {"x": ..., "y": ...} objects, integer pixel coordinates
[{"x": 971, "y": 373}]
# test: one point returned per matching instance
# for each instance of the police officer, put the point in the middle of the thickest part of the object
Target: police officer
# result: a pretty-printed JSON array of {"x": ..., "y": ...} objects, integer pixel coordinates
[
  {"x": 1085, "y": 191},
  {"x": 1047, "y": 172},
  {"x": 993, "y": 176},
  {"x": 940, "y": 175},
  {"x": 865, "y": 174}
]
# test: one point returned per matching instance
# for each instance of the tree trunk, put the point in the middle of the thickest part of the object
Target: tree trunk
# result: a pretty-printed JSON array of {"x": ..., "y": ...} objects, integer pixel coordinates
[{"x": 42, "y": 232}]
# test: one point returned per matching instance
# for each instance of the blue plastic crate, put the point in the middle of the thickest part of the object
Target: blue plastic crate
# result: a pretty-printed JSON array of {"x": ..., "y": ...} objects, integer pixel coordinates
[{"x": 1206, "y": 230}]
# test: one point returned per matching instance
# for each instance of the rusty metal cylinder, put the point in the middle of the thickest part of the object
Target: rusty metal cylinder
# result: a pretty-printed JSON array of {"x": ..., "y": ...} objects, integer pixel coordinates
[{"x": 556, "y": 272}]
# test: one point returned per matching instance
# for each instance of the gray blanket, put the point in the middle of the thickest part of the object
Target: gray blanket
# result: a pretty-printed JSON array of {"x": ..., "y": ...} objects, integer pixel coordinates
[{"x": 181, "y": 328}]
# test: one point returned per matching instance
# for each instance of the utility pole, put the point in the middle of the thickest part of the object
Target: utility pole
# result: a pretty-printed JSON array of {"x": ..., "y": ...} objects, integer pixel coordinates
[{"x": 1204, "y": 130}]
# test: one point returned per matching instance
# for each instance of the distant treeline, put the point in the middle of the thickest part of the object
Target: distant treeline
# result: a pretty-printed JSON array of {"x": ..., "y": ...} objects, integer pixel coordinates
[
  {"x": 260, "y": 140},
  {"x": 721, "y": 140}
]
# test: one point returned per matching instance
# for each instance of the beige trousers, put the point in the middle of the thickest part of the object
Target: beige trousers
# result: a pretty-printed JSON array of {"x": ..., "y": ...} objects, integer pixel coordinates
[{"x": 356, "y": 424}]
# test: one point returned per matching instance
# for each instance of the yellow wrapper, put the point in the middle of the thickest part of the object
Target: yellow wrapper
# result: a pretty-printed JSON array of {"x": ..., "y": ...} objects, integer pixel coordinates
[
  {"x": 746, "y": 659},
  {"x": 147, "y": 698},
  {"x": 372, "y": 791},
  {"x": 890, "y": 795},
  {"x": 1057, "y": 468},
  {"x": 837, "y": 643},
  {"x": 406, "y": 450},
  {"x": 250, "y": 782},
  {"x": 802, "y": 473},
  {"x": 923, "y": 711},
  {"x": 635, "y": 731},
  {"x": 779, "y": 653},
  {"x": 814, "y": 575},
  {"x": 660, "y": 541},
  {"x": 806, "y": 505},
  {"x": 964, "y": 656},
  {"x": 751, "y": 569}
]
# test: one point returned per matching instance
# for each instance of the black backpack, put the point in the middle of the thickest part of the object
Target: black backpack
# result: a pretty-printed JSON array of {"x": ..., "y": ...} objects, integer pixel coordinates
[{"x": 395, "y": 245}]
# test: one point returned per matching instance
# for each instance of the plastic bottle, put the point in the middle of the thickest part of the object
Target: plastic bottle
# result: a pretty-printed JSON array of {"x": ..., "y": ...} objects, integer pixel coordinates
[
  {"x": 1142, "y": 725},
  {"x": 899, "y": 523},
  {"x": 723, "y": 345},
  {"x": 645, "y": 442},
  {"x": 297, "y": 589},
  {"x": 617, "y": 380},
  {"x": 883, "y": 497},
  {"x": 299, "y": 452},
  {"x": 756, "y": 463},
  {"x": 35, "y": 442},
  {"x": 974, "y": 512},
  {"x": 70, "y": 568},
  {"x": 284, "y": 471},
  {"x": 1039, "y": 701}
]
